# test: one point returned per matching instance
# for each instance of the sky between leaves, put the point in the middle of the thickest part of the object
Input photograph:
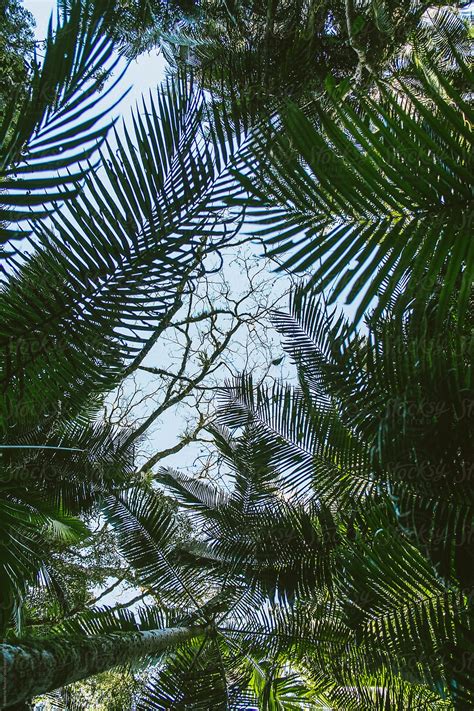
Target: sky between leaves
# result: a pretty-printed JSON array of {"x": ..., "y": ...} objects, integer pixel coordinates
[{"x": 143, "y": 75}]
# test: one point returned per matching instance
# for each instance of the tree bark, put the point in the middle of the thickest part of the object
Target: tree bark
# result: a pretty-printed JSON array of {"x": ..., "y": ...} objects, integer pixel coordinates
[{"x": 35, "y": 667}]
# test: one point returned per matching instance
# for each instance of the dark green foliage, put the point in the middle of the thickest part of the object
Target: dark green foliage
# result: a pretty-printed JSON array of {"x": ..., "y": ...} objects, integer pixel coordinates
[
  {"x": 335, "y": 568},
  {"x": 98, "y": 276},
  {"x": 265, "y": 52},
  {"x": 141, "y": 26},
  {"x": 16, "y": 52},
  {"x": 372, "y": 447},
  {"x": 379, "y": 197},
  {"x": 55, "y": 126}
]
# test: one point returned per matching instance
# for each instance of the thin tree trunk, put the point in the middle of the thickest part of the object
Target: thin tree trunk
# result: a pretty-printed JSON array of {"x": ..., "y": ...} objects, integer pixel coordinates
[{"x": 39, "y": 666}]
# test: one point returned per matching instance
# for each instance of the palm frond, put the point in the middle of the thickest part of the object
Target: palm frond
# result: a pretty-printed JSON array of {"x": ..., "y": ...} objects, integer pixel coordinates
[
  {"x": 47, "y": 141},
  {"x": 148, "y": 534},
  {"x": 370, "y": 198},
  {"x": 42, "y": 493},
  {"x": 192, "y": 678},
  {"x": 309, "y": 447},
  {"x": 106, "y": 270},
  {"x": 388, "y": 589},
  {"x": 190, "y": 492}
]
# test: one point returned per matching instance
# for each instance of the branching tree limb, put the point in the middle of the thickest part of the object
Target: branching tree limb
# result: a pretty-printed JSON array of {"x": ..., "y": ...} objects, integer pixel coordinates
[
  {"x": 219, "y": 329},
  {"x": 354, "y": 43}
]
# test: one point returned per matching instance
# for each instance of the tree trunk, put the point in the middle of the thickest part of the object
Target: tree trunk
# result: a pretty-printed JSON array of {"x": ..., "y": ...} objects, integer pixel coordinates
[{"x": 38, "y": 666}]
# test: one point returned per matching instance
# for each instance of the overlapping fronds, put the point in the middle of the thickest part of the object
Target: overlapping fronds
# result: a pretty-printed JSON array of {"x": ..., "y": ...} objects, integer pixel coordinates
[
  {"x": 148, "y": 532},
  {"x": 107, "y": 269},
  {"x": 311, "y": 448},
  {"x": 47, "y": 140},
  {"x": 43, "y": 488},
  {"x": 99, "y": 275},
  {"x": 367, "y": 199},
  {"x": 381, "y": 566}
]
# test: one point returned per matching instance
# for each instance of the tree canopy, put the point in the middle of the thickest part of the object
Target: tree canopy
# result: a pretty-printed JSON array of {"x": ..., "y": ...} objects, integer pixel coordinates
[
  {"x": 16, "y": 53},
  {"x": 321, "y": 555}
]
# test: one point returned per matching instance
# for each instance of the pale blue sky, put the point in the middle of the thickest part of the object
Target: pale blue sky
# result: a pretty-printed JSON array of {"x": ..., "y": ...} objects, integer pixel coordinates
[{"x": 143, "y": 74}]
